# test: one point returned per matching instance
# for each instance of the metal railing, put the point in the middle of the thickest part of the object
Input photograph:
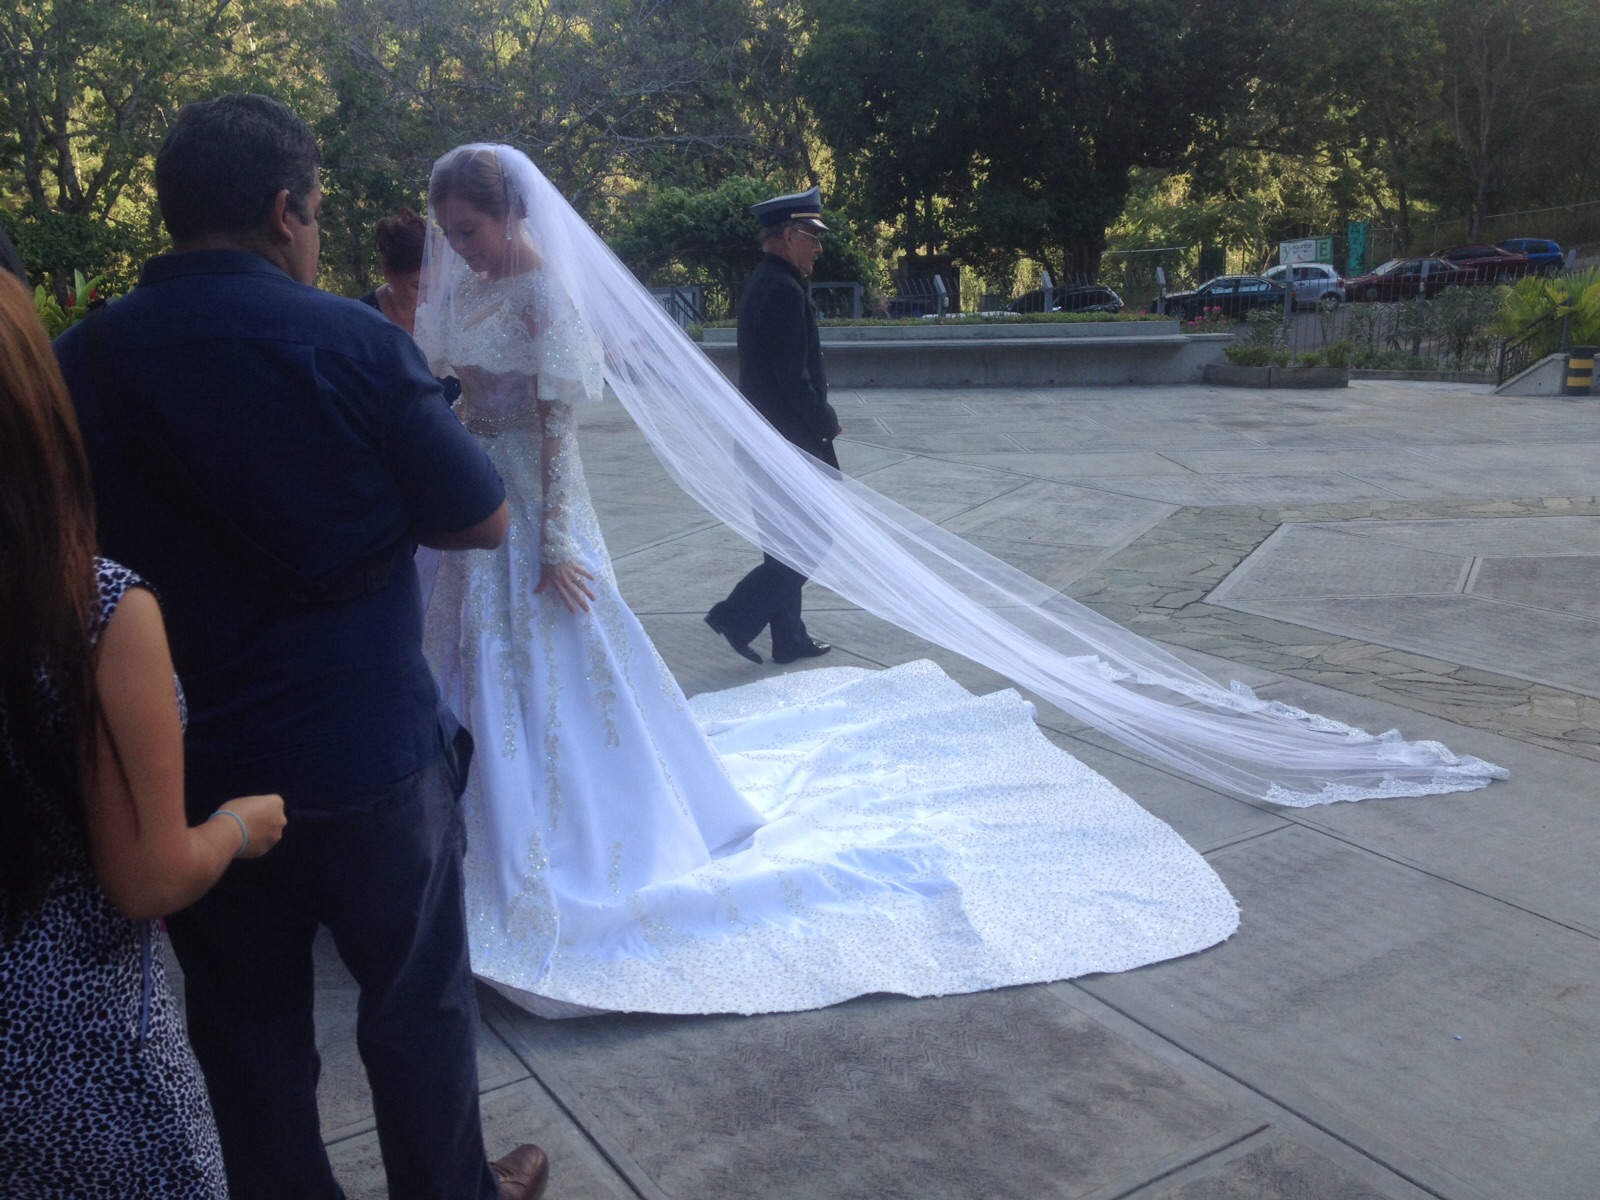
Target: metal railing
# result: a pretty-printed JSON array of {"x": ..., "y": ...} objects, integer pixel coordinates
[
  {"x": 685, "y": 305},
  {"x": 920, "y": 296},
  {"x": 1529, "y": 344},
  {"x": 1452, "y": 331},
  {"x": 1052, "y": 295},
  {"x": 836, "y": 299},
  {"x": 1132, "y": 271},
  {"x": 1568, "y": 224},
  {"x": 1140, "y": 276}
]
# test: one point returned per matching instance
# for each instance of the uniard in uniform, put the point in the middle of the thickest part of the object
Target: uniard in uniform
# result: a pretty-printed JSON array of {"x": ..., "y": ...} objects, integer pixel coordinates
[{"x": 780, "y": 373}]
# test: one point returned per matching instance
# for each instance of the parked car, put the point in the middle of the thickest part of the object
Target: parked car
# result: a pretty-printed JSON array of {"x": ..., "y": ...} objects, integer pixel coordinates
[
  {"x": 1235, "y": 295},
  {"x": 1093, "y": 297},
  {"x": 1314, "y": 283},
  {"x": 1401, "y": 279},
  {"x": 1087, "y": 297},
  {"x": 1489, "y": 264},
  {"x": 1544, "y": 256}
]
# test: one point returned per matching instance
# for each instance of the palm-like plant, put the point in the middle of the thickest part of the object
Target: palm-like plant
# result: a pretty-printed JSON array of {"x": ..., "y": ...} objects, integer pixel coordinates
[
  {"x": 56, "y": 317},
  {"x": 1575, "y": 294}
]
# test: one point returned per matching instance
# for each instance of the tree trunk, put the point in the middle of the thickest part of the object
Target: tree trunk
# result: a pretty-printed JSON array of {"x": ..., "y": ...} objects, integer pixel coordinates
[
  {"x": 1402, "y": 232},
  {"x": 1081, "y": 260}
]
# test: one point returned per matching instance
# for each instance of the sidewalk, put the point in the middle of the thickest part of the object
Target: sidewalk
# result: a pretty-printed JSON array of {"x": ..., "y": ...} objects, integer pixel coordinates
[{"x": 1410, "y": 1008}]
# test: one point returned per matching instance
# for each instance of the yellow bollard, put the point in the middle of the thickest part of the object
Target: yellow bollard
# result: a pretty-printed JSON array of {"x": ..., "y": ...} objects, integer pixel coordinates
[{"x": 1580, "y": 370}]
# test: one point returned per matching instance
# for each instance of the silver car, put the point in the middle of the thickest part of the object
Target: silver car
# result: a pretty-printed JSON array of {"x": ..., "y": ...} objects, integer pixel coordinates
[{"x": 1314, "y": 283}]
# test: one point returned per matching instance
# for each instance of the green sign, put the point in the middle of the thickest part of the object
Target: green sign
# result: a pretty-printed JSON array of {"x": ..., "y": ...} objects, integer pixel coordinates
[
  {"x": 1325, "y": 250},
  {"x": 1355, "y": 249}
]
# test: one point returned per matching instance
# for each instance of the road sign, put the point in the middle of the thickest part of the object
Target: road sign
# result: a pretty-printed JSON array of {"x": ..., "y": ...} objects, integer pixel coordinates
[
  {"x": 1303, "y": 251},
  {"x": 1306, "y": 250}
]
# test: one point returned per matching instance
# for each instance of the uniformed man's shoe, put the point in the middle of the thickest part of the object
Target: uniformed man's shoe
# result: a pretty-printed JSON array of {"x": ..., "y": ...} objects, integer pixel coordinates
[
  {"x": 522, "y": 1174},
  {"x": 740, "y": 648},
  {"x": 809, "y": 648}
]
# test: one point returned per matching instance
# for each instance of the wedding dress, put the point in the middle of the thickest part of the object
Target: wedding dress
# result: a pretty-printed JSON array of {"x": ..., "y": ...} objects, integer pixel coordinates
[
  {"x": 780, "y": 846},
  {"x": 826, "y": 833}
]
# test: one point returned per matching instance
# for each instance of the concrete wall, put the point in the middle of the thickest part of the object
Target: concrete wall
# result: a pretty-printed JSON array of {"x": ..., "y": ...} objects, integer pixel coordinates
[
  {"x": 1004, "y": 355},
  {"x": 1227, "y": 375},
  {"x": 1547, "y": 377},
  {"x": 962, "y": 331}
]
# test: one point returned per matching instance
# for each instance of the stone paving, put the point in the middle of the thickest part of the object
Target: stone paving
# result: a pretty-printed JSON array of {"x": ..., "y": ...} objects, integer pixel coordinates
[
  {"x": 1410, "y": 1007},
  {"x": 1166, "y": 585}
]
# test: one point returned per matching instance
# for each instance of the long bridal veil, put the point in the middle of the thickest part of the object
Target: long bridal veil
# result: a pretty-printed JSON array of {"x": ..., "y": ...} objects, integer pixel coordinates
[{"x": 911, "y": 572}]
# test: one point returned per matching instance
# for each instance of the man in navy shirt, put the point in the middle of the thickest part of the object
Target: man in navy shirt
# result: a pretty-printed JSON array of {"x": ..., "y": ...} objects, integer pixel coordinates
[{"x": 267, "y": 456}]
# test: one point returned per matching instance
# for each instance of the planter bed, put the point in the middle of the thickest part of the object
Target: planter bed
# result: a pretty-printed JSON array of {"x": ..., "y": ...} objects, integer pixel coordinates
[
  {"x": 1228, "y": 375},
  {"x": 839, "y": 335},
  {"x": 1084, "y": 354},
  {"x": 1423, "y": 376}
]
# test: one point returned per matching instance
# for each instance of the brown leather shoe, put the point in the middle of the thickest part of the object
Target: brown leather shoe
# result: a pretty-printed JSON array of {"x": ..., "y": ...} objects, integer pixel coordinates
[{"x": 522, "y": 1173}]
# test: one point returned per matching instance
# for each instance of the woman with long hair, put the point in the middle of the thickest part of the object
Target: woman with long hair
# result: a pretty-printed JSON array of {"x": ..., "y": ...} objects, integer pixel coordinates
[{"x": 99, "y": 1087}]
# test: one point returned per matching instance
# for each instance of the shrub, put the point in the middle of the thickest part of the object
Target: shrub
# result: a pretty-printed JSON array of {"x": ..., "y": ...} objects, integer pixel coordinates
[
  {"x": 1463, "y": 318},
  {"x": 1265, "y": 327},
  {"x": 54, "y": 245},
  {"x": 1210, "y": 320},
  {"x": 1392, "y": 360},
  {"x": 1575, "y": 294},
  {"x": 678, "y": 235},
  {"x": 83, "y": 296},
  {"x": 1452, "y": 331},
  {"x": 1241, "y": 354}
]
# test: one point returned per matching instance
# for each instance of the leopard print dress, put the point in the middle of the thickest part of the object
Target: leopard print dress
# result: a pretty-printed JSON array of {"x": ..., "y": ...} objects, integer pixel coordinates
[{"x": 100, "y": 1095}]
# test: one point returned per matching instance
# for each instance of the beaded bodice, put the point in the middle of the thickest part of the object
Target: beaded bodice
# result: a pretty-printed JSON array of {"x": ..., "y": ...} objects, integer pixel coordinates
[
  {"x": 524, "y": 357},
  {"x": 524, "y": 330}
]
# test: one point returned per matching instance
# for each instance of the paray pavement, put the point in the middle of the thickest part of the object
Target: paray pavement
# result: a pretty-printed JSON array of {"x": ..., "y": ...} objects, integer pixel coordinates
[{"x": 1411, "y": 1006}]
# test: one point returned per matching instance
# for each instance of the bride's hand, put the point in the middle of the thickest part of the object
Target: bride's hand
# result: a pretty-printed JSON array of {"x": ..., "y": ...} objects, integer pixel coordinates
[{"x": 570, "y": 581}]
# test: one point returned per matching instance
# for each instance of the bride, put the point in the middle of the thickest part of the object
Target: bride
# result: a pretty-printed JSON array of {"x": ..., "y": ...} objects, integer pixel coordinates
[{"x": 817, "y": 835}]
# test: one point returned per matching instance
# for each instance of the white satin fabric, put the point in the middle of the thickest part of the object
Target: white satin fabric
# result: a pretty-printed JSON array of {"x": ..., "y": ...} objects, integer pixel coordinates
[{"x": 780, "y": 846}]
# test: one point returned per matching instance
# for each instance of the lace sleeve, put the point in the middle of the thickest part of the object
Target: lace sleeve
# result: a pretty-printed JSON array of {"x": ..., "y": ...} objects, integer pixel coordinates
[
  {"x": 558, "y": 467},
  {"x": 571, "y": 368}
]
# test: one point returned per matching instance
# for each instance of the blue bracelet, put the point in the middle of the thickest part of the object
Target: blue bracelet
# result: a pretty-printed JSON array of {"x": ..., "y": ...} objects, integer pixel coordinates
[{"x": 228, "y": 812}]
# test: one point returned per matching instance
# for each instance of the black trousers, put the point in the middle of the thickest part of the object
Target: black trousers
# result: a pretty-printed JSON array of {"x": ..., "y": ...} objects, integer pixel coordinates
[
  {"x": 770, "y": 594},
  {"x": 386, "y": 881}
]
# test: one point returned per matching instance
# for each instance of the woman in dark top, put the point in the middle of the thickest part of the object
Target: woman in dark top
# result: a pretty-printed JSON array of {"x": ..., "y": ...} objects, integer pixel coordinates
[
  {"x": 100, "y": 1094},
  {"x": 400, "y": 239}
]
